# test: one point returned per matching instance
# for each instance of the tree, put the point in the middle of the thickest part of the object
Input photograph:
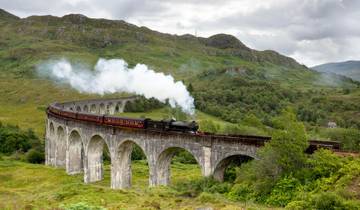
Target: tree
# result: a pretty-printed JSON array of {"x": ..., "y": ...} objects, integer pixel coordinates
[{"x": 282, "y": 156}]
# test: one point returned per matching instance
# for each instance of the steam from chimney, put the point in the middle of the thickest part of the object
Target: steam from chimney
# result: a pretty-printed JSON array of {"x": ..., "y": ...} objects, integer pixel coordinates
[{"x": 114, "y": 75}]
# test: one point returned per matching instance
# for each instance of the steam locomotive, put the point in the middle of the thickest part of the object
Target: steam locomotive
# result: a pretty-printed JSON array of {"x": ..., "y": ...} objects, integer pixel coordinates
[{"x": 146, "y": 123}]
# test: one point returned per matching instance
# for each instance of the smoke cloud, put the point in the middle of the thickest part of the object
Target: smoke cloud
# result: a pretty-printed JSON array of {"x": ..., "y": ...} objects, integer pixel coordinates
[{"x": 114, "y": 75}]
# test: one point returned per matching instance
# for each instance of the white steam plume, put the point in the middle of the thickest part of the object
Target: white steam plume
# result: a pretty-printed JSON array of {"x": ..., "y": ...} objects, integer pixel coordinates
[{"x": 114, "y": 75}]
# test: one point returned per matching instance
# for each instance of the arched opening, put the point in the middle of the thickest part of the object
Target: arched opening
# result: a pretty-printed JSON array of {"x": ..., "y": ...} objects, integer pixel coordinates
[
  {"x": 97, "y": 155},
  {"x": 185, "y": 166},
  {"x": 109, "y": 108},
  {"x": 75, "y": 154},
  {"x": 86, "y": 108},
  {"x": 117, "y": 109},
  {"x": 130, "y": 159},
  {"x": 60, "y": 154},
  {"x": 93, "y": 108},
  {"x": 78, "y": 109},
  {"x": 225, "y": 170},
  {"x": 52, "y": 144},
  {"x": 71, "y": 109},
  {"x": 102, "y": 108}
]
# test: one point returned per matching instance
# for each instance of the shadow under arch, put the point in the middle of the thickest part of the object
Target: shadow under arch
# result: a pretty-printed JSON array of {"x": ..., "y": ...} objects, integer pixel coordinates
[
  {"x": 163, "y": 163},
  {"x": 60, "y": 154},
  {"x": 225, "y": 163},
  {"x": 122, "y": 170},
  {"x": 95, "y": 164},
  {"x": 102, "y": 108},
  {"x": 75, "y": 154},
  {"x": 86, "y": 108},
  {"x": 117, "y": 107},
  {"x": 93, "y": 108}
]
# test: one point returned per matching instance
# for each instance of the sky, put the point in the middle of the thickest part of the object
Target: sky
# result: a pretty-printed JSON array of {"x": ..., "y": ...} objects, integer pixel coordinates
[{"x": 311, "y": 31}]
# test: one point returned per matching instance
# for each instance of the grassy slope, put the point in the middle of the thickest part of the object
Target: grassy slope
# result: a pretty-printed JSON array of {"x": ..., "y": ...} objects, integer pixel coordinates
[{"x": 45, "y": 187}]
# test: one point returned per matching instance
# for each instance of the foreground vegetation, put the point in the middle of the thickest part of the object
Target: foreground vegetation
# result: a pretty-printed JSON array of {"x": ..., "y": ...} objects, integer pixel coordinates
[{"x": 27, "y": 186}]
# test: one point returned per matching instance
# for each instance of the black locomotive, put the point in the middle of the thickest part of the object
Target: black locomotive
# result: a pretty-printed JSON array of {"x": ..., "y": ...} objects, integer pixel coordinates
[{"x": 171, "y": 125}]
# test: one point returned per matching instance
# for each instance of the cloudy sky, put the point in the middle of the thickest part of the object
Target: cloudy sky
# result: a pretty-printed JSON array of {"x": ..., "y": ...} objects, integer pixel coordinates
[{"x": 311, "y": 31}]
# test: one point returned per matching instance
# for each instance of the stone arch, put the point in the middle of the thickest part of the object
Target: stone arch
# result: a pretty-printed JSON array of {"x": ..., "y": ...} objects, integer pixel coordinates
[
  {"x": 78, "y": 108},
  {"x": 95, "y": 166},
  {"x": 75, "y": 153},
  {"x": 93, "y": 108},
  {"x": 163, "y": 163},
  {"x": 86, "y": 108},
  {"x": 221, "y": 165},
  {"x": 122, "y": 174},
  {"x": 102, "y": 108},
  {"x": 60, "y": 154}
]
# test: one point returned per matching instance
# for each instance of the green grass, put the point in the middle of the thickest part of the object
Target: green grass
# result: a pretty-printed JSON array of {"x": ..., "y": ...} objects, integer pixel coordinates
[{"x": 26, "y": 185}]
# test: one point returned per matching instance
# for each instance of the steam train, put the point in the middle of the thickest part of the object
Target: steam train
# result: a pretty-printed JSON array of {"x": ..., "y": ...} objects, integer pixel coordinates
[{"x": 147, "y": 123}]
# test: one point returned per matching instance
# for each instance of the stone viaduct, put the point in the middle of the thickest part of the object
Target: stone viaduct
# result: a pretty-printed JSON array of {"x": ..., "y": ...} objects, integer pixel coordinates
[{"x": 78, "y": 146}]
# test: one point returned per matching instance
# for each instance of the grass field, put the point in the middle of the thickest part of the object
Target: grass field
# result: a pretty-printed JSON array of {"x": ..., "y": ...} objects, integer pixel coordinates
[{"x": 31, "y": 186}]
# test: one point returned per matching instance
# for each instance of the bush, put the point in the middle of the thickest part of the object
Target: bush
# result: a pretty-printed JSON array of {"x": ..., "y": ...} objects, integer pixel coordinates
[
  {"x": 141, "y": 104},
  {"x": 12, "y": 139},
  {"x": 241, "y": 192},
  {"x": 207, "y": 184},
  {"x": 137, "y": 153},
  {"x": 284, "y": 191},
  {"x": 34, "y": 156},
  {"x": 185, "y": 157},
  {"x": 323, "y": 163},
  {"x": 297, "y": 205},
  {"x": 206, "y": 197},
  {"x": 209, "y": 126},
  {"x": 350, "y": 138},
  {"x": 327, "y": 201}
]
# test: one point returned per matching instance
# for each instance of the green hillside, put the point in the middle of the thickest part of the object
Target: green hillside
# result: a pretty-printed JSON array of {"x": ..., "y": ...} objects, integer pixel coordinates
[
  {"x": 242, "y": 80},
  {"x": 349, "y": 69}
]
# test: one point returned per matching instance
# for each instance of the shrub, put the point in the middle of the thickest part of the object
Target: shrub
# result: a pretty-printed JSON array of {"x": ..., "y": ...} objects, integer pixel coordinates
[
  {"x": 283, "y": 192},
  {"x": 323, "y": 163},
  {"x": 141, "y": 104},
  {"x": 209, "y": 126},
  {"x": 12, "y": 139},
  {"x": 34, "y": 156},
  {"x": 327, "y": 201},
  {"x": 297, "y": 205},
  {"x": 137, "y": 153},
  {"x": 207, "y": 184},
  {"x": 350, "y": 138},
  {"x": 241, "y": 192},
  {"x": 185, "y": 157},
  {"x": 206, "y": 197}
]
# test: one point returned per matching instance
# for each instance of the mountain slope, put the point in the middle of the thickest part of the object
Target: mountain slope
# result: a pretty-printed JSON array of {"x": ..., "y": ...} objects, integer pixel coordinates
[
  {"x": 350, "y": 69},
  {"x": 228, "y": 79}
]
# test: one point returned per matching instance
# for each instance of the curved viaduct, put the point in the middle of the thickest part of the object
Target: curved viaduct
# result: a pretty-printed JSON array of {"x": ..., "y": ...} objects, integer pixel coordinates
[{"x": 77, "y": 146}]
